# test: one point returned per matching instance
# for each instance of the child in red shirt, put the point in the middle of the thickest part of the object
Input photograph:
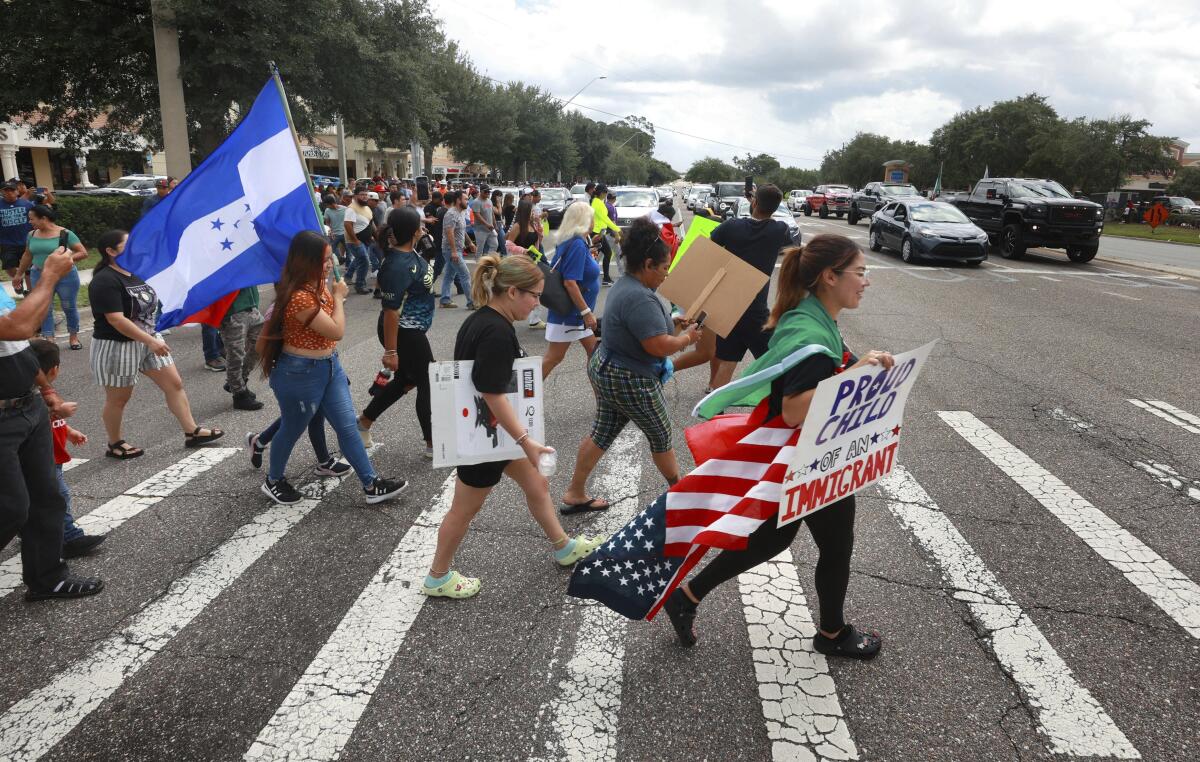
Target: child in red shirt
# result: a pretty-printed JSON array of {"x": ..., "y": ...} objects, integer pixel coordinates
[{"x": 76, "y": 542}]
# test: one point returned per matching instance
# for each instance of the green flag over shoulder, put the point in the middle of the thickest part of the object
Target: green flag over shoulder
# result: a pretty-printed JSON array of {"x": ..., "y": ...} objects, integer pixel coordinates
[{"x": 802, "y": 332}]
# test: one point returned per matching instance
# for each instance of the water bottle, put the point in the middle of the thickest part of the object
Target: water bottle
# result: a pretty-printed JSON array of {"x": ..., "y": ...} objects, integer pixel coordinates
[
  {"x": 382, "y": 378},
  {"x": 547, "y": 463}
]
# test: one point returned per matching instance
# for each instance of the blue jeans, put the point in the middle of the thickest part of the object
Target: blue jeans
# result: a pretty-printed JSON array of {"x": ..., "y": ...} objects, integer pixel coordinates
[
  {"x": 70, "y": 529},
  {"x": 357, "y": 271},
  {"x": 67, "y": 290},
  {"x": 338, "y": 244},
  {"x": 316, "y": 436},
  {"x": 211, "y": 339},
  {"x": 455, "y": 272},
  {"x": 304, "y": 387}
]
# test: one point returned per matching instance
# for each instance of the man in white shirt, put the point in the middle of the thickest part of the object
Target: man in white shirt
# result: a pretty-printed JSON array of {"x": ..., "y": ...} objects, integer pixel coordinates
[{"x": 357, "y": 224}]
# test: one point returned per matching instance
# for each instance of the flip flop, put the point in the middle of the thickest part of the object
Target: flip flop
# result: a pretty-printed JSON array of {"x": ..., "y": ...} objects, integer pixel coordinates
[{"x": 591, "y": 505}]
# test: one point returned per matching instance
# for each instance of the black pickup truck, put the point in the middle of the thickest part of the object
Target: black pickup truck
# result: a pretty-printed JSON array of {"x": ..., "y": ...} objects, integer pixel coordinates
[
  {"x": 1019, "y": 213},
  {"x": 875, "y": 196}
]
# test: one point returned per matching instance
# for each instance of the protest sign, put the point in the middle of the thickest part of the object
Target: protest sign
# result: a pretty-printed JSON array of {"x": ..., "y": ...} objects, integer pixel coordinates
[
  {"x": 850, "y": 435},
  {"x": 699, "y": 226},
  {"x": 714, "y": 281},
  {"x": 464, "y": 430}
]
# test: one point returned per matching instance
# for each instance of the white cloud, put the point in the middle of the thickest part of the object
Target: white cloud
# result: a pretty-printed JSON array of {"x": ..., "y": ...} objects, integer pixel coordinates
[{"x": 777, "y": 76}]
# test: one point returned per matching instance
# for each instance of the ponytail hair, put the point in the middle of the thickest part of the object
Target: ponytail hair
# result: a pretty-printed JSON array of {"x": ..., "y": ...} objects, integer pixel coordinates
[
  {"x": 494, "y": 276},
  {"x": 109, "y": 239},
  {"x": 802, "y": 269}
]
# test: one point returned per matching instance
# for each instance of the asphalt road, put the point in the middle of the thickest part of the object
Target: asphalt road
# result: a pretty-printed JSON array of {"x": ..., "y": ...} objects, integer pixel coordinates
[{"x": 1032, "y": 569}]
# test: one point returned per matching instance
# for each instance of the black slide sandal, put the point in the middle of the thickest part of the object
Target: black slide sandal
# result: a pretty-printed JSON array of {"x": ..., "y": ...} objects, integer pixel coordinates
[
  {"x": 195, "y": 439},
  {"x": 591, "y": 505},
  {"x": 850, "y": 643},
  {"x": 71, "y": 587},
  {"x": 122, "y": 450}
]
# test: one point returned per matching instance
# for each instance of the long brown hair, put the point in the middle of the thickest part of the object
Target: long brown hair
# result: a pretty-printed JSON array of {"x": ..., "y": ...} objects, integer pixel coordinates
[
  {"x": 524, "y": 213},
  {"x": 494, "y": 275},
  {"x": 802, "y": 268},
  {"x": 304, "y": 268}
]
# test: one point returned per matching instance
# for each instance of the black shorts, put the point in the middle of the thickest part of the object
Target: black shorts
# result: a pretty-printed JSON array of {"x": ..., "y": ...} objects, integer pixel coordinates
[
  {"x": 483, "y": 475},
  {"x": 10, "y": 255},
  {"x": 747, "y": 334}
]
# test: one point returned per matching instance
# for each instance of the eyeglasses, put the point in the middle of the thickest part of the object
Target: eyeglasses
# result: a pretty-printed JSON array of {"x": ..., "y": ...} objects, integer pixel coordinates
[
  {"x": 535, "y": 294},
  {"x": 861, "y": 272}
]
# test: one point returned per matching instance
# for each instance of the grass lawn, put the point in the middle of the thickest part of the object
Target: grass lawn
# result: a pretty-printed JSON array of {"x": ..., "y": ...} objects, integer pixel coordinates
[{"x": 1164, "y": 233}]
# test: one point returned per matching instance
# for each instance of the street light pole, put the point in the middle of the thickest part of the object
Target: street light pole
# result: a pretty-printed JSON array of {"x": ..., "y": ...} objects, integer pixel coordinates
[{"x": 558, "y": 173}]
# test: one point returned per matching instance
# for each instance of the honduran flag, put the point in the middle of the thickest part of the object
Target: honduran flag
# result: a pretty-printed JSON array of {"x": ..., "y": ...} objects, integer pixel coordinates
[{"x": 228, "y": 225}]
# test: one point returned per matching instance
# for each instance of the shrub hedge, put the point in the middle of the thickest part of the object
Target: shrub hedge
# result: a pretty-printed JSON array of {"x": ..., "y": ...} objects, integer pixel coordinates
[{"x": 89, "y": 216}]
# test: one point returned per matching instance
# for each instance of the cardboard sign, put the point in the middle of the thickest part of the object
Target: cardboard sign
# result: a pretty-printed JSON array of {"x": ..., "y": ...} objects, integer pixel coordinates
[
  {"x": 850, "y": 435},
  {"x": 464, "y": 430},
  {"x": 700, "y": 226},
  {"x": 714, "y": 281}
]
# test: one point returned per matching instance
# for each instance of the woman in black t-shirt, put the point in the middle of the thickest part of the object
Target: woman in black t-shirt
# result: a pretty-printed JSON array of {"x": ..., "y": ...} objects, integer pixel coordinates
[
  {"x": 507, "y": 289},
  {"x": 125, "y": 345},
  {"x": 831, "y": 270}
]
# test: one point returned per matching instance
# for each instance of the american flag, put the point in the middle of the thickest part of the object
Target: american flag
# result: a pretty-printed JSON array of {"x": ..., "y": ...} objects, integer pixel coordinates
[{"x": 734, "y": 489}]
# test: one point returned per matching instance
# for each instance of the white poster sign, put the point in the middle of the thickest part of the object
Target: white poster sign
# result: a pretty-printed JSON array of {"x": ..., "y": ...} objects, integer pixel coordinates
[
  {"x": 850, "y": 436},
  {"x": 464, "y": 430}
]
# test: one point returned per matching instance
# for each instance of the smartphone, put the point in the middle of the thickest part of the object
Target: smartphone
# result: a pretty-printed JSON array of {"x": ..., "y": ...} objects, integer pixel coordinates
[
  {"x": 63, "y": 240},
  {"x": 337, "y": 272},
  {"x": 701, "y": 318}
]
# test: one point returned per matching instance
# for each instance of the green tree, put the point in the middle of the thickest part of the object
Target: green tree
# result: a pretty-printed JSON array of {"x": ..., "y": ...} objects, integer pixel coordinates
[
  {"x": 633, "y": 131},
  {"x": 659, "y": 172},
  {"x": 760, "y": 167},
  {"x": 999, "y": 139},
  {"x": 794, "y": 178},
  {"x": 625, "y": 166},
  {"x": 710, "y": 170},
  {"x": 591, "y": 142},
  {"x": 1186, "y": 183}
]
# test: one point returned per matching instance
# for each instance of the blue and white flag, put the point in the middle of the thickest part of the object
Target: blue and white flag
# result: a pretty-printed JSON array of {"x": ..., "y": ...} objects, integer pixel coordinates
[{"x": 228, "y": 225}]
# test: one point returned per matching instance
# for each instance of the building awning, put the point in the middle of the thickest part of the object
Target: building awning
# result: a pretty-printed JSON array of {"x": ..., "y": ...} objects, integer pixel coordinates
[{"x": 318, "y": 149}]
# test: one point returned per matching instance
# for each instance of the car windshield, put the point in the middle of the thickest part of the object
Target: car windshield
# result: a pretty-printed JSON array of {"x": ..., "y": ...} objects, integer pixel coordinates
[
  {"x": 937, "y": 213},
  {"x": 628, "y": 198},
  {"x": 900, "y": 190},
  {"x": 577, "y": 189},
  {"x": 1182, "y": 201},
  {"x": 553, "y": 194},
  {"x": 127, "y": 183},
  {"x": 1037, "y": 189},
  {"x": 837, "y": 188}
]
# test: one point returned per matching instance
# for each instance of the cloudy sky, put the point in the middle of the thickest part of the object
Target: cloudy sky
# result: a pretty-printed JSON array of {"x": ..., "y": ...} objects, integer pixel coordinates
[{"x": 794, "y": 78}]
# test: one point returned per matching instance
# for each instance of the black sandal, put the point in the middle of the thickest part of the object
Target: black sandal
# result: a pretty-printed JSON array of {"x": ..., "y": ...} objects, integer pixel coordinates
[
  {"x": 71, "y": 587},
  {"x": 196, "y": 439},
  {"x": 587, "y": 506},
  {"x": 122, "y": 450},
  {"x": 850, "y": 643}
]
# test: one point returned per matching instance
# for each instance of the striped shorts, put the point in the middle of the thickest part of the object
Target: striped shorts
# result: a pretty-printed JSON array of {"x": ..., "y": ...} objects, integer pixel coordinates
[
  {"x": 118, "y": 363},
  {"x": 623, "y": 396}
]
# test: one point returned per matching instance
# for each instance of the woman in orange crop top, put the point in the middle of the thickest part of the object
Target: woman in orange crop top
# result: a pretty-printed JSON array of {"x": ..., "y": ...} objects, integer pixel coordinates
[{"x": 298, "y": 350}]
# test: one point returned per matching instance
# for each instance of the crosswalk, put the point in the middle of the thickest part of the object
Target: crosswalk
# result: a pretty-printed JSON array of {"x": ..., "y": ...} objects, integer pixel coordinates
[{"x": 596, "y": 669}]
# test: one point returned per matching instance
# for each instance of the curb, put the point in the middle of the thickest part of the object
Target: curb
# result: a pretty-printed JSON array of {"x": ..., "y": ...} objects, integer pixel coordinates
[
  {"x": 1169, "y": 269},
  {"x": 1152, "y": 240}
]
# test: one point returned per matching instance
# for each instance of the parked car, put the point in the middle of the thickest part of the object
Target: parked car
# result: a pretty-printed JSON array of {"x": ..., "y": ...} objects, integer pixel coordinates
[
  {"x": 783, "y": 214},
  {"x": 1019, "y": 212},
  {"x": 324, "y": 180},
  {"x": 554, "y": 203},
  {"x": 697, "y": 195},
  {"x": 129, "y": 185},
  {"x": 828, "y": 199},
  {"x": 922, "y": 230},
  {"x": 579, "y": 192},
  {"x": 874, "y": 196},
  {"x": 633, "y": 202},
  {"x": 1180, "y": 204},
  {"x": 795, "y": 199},
  {"x": 666, "y": 193}
]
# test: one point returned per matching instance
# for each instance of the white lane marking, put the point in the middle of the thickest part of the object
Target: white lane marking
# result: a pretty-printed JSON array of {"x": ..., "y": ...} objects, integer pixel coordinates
[
  {"x": 73, "y": 463},
  {"x": 1122, "y": 296},
  {"x": 121, "y": 508},
  {"x": 318, "y": 716},
  {"x": 799, "y": 699},
  {"x": 1047, "y": 277},
  {"x": 1170, "y": 589},
  {"x": 1180, "y": 418},
  {"x": 586, "y": 707},
  {"x": 36, "y": 723},
  {"x": 1168, "y": 476},
  {"x": 1072, "y": 720}
]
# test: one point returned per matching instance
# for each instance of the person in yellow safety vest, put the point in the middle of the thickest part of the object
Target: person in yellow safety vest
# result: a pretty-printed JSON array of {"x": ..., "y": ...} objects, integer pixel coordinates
[{"x": 602, "y": 222}]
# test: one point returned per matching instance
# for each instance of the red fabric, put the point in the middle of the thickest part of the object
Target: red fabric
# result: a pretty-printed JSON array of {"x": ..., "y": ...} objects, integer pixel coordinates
[
  {"x": 58, "y": 431},
  {"x": 213, "y": 314},
  {"x": 670, "y": 239},
  {"x": 709, "y": 439}
]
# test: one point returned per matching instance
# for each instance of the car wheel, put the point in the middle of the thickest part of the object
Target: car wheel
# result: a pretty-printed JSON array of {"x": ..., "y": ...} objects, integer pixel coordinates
[
  {"x": 824, "y": 213},
  {"x": 1082, "y": 253},
  {"x": 807, "y": 210},
  {"x": 852, "y": 217},
  {"x": 876, "y": 243},
  {"x": 907, "y": 252},
  {"x": 1012, "y": 242}
]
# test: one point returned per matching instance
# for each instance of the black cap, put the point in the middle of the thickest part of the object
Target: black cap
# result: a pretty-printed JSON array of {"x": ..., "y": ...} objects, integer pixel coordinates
[{"x": 10, "y": 185}]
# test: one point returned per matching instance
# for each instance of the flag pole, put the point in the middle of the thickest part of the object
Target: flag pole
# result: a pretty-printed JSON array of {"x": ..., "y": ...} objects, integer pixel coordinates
[{"x": 287, "y": 111}]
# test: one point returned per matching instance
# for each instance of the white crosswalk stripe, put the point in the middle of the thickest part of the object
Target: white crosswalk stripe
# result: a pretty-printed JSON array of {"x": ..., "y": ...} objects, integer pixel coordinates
[
  {"x": 320, "y": 713},
  {"x": 799, "y": 699},
  {"x": 586, "y": 707},
  {"x": 133, "y": 501},
  {"x": 1170, "y": 589},
  {"x": 36, "y": 723},
  {"x": 1168, "y": 412},
  {"x": 1072, "y": 720}
]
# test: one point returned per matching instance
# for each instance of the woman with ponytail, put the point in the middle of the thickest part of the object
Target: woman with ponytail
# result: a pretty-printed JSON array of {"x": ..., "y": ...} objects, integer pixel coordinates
[
  {"x": 506, "y": 290},
  {"x": 816, "y": 282}
]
